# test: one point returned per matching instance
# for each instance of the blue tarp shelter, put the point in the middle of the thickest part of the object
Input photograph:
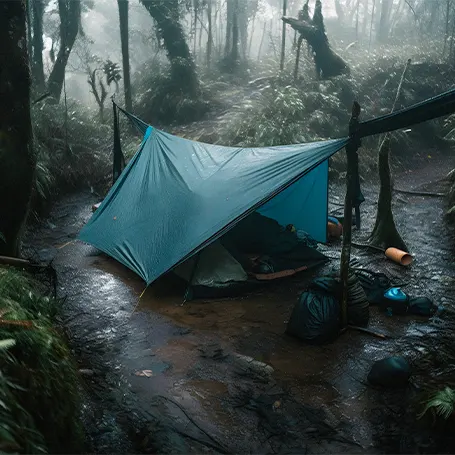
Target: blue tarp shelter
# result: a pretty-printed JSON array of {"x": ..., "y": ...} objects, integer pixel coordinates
[{"x": 177, "y": 196}]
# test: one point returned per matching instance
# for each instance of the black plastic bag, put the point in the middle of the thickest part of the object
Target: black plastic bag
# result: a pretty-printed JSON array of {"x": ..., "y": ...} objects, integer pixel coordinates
[
  {"x": 315, "y": 318},
  {"x": 390, "y": 372},
  {"x": 358, "y": 305},
  {"x": 422, "y": 306}
]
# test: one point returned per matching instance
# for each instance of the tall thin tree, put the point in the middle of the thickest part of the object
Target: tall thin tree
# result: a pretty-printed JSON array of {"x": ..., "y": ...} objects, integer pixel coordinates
[
  {"x": 70, "y": 18},
  {"x": 283, "y": 36},
  {"x": 123, "y": 10},
  {"x": 38, "y": 45},
  {"x": 209, "y": 32}
]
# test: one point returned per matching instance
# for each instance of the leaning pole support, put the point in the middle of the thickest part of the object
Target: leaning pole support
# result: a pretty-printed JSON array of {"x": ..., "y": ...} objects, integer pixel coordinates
[{"x": 352, "y": 164}]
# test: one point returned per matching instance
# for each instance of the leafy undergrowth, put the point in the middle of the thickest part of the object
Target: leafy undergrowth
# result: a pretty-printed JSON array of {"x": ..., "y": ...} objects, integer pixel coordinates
[
  {"x": 283, "y": 111},
  {"x": 161, "y": 102},
  {"x": 434, "y": 356},
  {"x": 73, "y": 152},
  {"x": 39, "y": 398}
]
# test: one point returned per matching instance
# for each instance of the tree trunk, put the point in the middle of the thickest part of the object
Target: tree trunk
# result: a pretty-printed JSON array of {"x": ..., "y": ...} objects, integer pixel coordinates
[
  {"x": 297, "y": 57},
  {"x": 264, "y": 30},
  {"x": 365, "y": 17},
  {"x": 328, "y": 63},
  {"x": 29, "y": 30},
  {"x": 229, "y": 27},
  {"x": 38, "y": 45},
  {"x": 183, "y": 69},
  {"x": 371, "y": 25},
  {"x": 16, "y": 154},
  {"x": 384, "y": 24},
  {"x": 209, "y": 33},
  {"x": 70, "y": 13},
  {"x": 446, "y": 35},
  {"x": 242, "y": 23},
  {"x": 196, "y": 11},
  {"x": 433, "y": 13},
  {"x": 385, "y": 233},
  {"x": 124, "y": 38},
  {"x": 251, "y": 33},
  {"x": 283, "y": 36},
  {"x": 235, "y": 32}
]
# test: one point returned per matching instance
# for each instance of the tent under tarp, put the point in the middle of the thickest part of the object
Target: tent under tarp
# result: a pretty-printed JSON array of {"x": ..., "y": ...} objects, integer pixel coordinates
[
  {"x": 213, "y": 267},
  {"x": 177, "y": 196}
]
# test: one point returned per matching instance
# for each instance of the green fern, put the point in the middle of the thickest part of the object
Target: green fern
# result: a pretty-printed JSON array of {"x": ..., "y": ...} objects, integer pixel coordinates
[{"x": 441, "y": 403}]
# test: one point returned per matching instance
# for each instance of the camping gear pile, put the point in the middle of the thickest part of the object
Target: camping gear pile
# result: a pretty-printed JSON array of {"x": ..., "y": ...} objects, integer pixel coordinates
[{"x": 316, "y": 316}]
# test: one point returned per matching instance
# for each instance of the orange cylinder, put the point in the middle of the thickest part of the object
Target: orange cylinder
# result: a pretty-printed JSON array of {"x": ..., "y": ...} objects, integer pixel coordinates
[
  {"x": 398, "y": 256},
  {"x": 334, "y": 230}
]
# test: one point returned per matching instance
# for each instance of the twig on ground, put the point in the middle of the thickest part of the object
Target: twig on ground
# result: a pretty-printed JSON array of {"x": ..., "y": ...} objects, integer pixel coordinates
[
  {"x": 219, "y": 446},
  {"x": 420, "y": 193}
]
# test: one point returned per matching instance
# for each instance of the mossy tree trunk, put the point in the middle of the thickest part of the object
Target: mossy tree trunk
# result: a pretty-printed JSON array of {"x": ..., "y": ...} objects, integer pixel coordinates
[
  {"x": 167, "y": 17},
  {"x": 328, "y": 63},
  {"x": 38, "y": 45},
  {"x": 123, "y": 6},
  {"x": 70, "y": 18},
  {"x": 385, "y": 233},
  {"x": 16, "y": 155}
]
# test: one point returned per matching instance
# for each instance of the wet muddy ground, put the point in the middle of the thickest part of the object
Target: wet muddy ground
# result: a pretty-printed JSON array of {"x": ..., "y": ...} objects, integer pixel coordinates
[{"x": 221, "y": 376}]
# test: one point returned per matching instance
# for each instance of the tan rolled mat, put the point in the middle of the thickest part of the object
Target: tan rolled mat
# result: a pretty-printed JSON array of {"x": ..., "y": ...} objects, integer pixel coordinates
[{"x": 277, "y": 275}]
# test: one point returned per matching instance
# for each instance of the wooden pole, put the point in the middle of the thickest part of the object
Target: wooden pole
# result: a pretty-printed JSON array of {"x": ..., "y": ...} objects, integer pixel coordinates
[{"x": 351, "y": 154}]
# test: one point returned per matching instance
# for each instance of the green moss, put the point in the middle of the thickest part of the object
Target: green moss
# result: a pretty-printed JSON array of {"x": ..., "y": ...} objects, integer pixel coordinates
[{"x": 39, "y": 392}]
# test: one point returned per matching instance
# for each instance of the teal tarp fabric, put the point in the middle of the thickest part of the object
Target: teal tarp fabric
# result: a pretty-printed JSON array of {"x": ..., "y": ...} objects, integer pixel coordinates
[{"x": 176, "y": 196}]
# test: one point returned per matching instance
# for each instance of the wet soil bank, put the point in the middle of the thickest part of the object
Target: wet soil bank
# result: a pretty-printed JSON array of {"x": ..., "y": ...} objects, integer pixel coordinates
[{"x": 221, "y": 376}]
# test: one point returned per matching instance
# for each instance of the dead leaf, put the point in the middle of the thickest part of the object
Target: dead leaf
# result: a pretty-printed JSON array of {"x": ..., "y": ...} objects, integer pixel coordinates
[{"x": 144, "y": 373}]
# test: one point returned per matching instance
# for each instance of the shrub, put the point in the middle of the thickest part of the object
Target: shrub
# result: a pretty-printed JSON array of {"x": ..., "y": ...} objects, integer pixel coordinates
[
  {"x": 162, "y": 102},
  {"x": 39, "y": 396},
  {"x": 71, "y": 154}
]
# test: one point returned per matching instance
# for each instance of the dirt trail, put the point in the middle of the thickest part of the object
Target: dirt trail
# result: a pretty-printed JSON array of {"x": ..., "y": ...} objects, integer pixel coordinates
[{"x": 198, "y": 393}]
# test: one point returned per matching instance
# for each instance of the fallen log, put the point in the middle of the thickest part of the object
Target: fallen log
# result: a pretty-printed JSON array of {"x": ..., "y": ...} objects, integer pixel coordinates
[{"x": 15, "y": 262}]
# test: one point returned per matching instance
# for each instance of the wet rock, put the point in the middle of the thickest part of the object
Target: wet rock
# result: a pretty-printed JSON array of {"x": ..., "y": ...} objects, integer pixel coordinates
[
  {"x": 248, "y": 365},
  {"x": 393, "y": 372}
]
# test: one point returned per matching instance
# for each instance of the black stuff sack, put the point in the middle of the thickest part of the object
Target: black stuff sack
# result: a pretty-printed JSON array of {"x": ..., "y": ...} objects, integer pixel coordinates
[
  {"x": 315, "y": 318},
  {"x": 422, "y": 306},
  {"x": 393, "y": 372}
]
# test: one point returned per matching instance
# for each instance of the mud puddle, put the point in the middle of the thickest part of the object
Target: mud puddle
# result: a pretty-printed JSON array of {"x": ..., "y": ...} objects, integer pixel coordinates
[{"x": 221, "y": 376}]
